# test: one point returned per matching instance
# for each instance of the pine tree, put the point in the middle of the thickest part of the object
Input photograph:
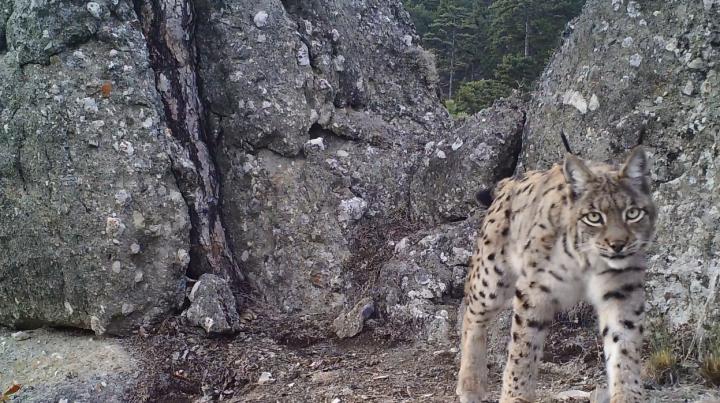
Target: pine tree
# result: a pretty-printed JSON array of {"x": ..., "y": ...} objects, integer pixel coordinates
[
  {"x": 484, "y": 48},
  {"x": 445, "y": 34}
]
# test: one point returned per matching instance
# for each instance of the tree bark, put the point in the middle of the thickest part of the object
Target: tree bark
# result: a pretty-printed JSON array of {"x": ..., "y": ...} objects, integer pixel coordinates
[{"x": 168, "y": 26}]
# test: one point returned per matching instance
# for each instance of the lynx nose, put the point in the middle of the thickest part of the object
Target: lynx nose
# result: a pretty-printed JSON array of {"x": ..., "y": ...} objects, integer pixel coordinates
[{"x": 617, "y": 246}]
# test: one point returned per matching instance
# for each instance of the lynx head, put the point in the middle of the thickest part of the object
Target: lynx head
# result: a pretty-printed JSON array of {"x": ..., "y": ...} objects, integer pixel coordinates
[{"x": 612, "y": 207}]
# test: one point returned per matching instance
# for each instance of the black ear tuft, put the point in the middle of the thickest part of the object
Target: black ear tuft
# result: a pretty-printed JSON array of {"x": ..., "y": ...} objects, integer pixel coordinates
[{"x": 484, "y": 197}]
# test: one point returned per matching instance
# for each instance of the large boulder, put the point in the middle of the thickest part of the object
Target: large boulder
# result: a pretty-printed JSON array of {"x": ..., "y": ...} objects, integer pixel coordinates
[
  {"x": 319, "y": 110},
  {"x": 647, "y": 72},
  {"x": 93, "y": 230}
]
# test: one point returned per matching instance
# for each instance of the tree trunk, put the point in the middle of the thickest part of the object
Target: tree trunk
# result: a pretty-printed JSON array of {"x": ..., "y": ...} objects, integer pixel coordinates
[
  {"x": 168, "y": 28},
  {"x": 527, "y": 37},
  {"x": 452, "y": 65}
]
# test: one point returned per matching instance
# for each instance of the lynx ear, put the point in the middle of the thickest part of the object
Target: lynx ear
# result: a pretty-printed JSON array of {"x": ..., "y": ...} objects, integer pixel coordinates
[
  {"x": 636, "y": 169},
  {"x": 577, "y": 175}
]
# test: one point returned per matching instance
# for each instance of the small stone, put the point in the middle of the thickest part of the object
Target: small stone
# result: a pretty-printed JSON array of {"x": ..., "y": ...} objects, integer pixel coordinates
[
  {"x": 134, "y": 248},
  {"x": 407, "y": 40},
  {"x": 138, "y": 220},
  {"x": 265, "y": 378},
  {"x": 68, "y": 308},
  {"x": 138, "y": 276},
  {"x": 114, "y": 227},
  {"x": 697, "y": 64},
  {"x": 457, "y": 144},
  {"x": 183, "y": 257},
  {"x": 335, "y": 35},
  {"x": 303, "y": 55},
  {"x": 316, "y": 144},
  {"x": 116, "y": 267},
  {"x": 122, "y": 197},
  {"x": 97, "y": 326},
  {"x": 688, "y": 88},
  {"x": 308, "y": 27},
  {"x": 573, "y": 396},
  {"x": 352, "y": 209},
  {"x": 260, "y": 19},
  {"x": 339, "y": 63},
  {"x": 633, "y": 9},
  {"x": 635, "y": 60},
  {"x": 594, "y": 103},
  {"x": 127, "y": 309},
  {"x": 89, "y": 105},
  {"x": 440, "y": 154},
  {"x": 20, "y": 336},
  {"x": 126, "y": 147},
  {"x": 627, "y": 42},
  {"x": 671, "y": 45},
  {"x": 245, "y": 256},
  {"x": 94, "y": 9},
  {"x": 342, "y": 153},
  {"x": 575, "y": 99},
  {"x": 213, "y": 306},
  {"x": 351, "y": 323}
]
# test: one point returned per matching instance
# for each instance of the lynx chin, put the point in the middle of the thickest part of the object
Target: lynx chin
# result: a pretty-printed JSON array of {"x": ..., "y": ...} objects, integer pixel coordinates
[{"x": 551, "y": 238}]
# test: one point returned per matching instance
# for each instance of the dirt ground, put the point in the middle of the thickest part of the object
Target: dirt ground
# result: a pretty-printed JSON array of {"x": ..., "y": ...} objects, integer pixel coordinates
[
  {"x": 272, "y": 361},
  {"x": 278, "y": 359}
]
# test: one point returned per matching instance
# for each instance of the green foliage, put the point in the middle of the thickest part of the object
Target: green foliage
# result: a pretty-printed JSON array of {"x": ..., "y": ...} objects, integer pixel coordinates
[
  {"x": 476, "y": 95},
  {"x": 484, "y": 40},
  {"x": 518, "y": 71},
  {"x": 452, "y": 108}
]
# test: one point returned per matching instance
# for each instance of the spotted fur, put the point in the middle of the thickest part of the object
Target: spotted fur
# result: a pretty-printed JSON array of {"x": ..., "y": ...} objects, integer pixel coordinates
[{"x": 550, "y": 239}]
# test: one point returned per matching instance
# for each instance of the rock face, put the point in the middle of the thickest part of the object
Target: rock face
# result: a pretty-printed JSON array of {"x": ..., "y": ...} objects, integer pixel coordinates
[
  {"x": 319, "y": 109},
  {"x": 478, "y": 153},
  {"x": 274, "y": 144},
  {"x": 93, "y": 229},
  {"x": 647, "y": 72}
]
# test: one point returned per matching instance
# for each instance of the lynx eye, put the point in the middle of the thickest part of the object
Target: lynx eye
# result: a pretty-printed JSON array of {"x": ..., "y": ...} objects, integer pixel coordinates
[
  {"x": 634, "y": 214},
  {"x": 593, "y": 218}
]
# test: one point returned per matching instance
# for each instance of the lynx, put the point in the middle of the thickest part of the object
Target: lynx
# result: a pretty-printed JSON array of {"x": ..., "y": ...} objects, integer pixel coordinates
[{"x": 551, "y": 238}]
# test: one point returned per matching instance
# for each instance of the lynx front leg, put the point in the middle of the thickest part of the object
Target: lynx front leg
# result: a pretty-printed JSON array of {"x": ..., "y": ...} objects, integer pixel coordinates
[
  {"x": 620, "y": 301},
  {"x": 532, "y": 316},
  {"x": 472, "y": 378},
  {"x": 486, "y": 293}
]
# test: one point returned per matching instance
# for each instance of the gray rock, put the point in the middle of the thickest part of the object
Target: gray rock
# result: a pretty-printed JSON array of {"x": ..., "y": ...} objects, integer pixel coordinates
[
  {"x": 83, "y": 124},
  {"x": 311, "y": 157},
  {"x": 474, "y": 156},
  {"x": 212, "y": 306},
  {"x": 20, "y": 336},
  {"x": 672, "y": 108},
  {"x": 426, "y": 267},
  {"x": 351, "y": 323}
]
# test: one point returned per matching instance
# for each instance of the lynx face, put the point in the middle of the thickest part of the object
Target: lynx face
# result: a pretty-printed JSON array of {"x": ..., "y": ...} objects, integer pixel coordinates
[{"x": 614, "y": 211}]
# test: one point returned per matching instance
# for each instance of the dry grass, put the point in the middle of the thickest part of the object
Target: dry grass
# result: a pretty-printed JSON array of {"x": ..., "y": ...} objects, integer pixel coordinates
[
  {"x": 663, "y": 365},
  {"x": 710, "y": 368},
  {"x": 710, "y": 365}
]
